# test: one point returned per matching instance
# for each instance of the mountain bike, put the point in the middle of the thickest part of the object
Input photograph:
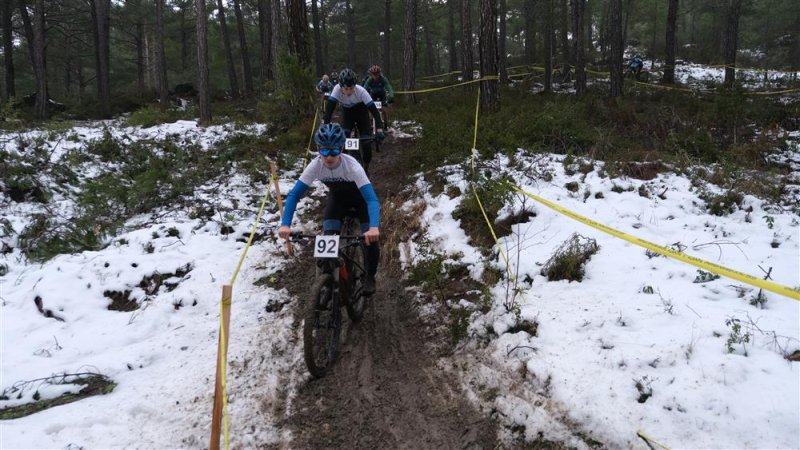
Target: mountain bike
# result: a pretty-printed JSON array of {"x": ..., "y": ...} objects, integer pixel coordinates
[
  {"x": 341, "y": 271},
  {"x": 562, "y": 73},
  {"x": 382, "y": 110},
  {"x": 642, "y": 76}
]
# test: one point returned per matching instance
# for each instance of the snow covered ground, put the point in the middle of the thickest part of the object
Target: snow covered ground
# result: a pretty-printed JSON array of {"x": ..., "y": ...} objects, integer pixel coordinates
[{"x": 633, "y": 319}]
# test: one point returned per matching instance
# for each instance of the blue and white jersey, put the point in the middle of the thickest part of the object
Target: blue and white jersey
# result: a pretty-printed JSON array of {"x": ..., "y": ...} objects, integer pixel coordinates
[
  {"x": 359, "y": 95},
  {"x": 347, "y": 179},
  {"x": 348, "y": 171}
]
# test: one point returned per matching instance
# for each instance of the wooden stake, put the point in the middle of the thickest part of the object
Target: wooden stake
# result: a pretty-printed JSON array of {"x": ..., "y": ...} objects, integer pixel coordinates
[
  {"x": 216, "y": 417},
  {"x": 278, "y": 195}
]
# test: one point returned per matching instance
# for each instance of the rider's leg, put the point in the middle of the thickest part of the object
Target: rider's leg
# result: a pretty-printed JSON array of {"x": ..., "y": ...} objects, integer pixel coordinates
[
  {"x": 364, "y": 123},
  {"x": 373, "y": 251}
]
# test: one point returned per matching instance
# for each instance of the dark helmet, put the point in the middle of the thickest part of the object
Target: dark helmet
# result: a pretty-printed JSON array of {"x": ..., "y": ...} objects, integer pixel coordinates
[
  {"x": 347, "y": 78},
  {"x": 330, "y": 135},
  {"x": 375, "y": 70}
]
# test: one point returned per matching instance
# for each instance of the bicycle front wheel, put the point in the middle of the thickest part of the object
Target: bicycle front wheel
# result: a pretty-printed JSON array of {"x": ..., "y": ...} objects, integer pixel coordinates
[
  {"x": 356, "y": 269},
  {"x": 322, "y": 327}
]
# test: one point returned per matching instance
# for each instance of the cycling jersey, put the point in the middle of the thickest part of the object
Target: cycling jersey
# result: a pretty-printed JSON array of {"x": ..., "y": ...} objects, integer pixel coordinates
[
  {"x": 359, "y": 95},
  {"x": 346, "y": 181}
]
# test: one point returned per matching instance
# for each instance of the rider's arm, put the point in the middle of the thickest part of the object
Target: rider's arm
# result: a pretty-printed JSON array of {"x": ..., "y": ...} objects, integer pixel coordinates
[
  {"x": 331, "y": 105},
  {"x": 294, "y": 196},
  {"x": 389, "y": 90},
  {"x": 373, "y": 205},
  {"x": 376, "y": 114}
]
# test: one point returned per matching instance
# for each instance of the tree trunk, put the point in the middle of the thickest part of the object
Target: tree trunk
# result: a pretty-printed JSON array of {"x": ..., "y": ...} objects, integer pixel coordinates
[
  {"x": 203, "y": 87},
  {"x": 529, "y": 10},
  {"x": 467, "y": 65},
  {"x": 429, "y": 52},
  {"x": 351, "y": 34},
  {"x": 587, "y": 19},
  {"x": 616, "y": 48},
  {"x": 28, "y": 27},
  {"x": 318, "y": 59},
  {"x": 103, "y": 10},
  {"x": 298, "y": 31},
  {"x": 184, "y": 43},
  {"x": 140, "y": 63},
  {"x": 548, "y": 46},
  {"x": 564, "y": 31},
  {"x": 265, "y": 34},
  {"x": 490, "y": 96},
  {"x": 8, "y": 50},
  {"x": 387, "y": 33},
  {"x": 671, "y": 46},
  {"x": 502, "y": 58},
  {"x": 246, "y": 68},
  {"x": 732, "y": 41},
  {"x": 226, "y": 40},
  {"x": 40, "y": 66},
  {"x": 410, "y": 48},
  {"x": 451, "y": 35},
  {"x": 626, "y": 19},
  {"x": 578, "y": 9},
  {"x": 161, "y": 57},
  {"x": 278, "y": 33}
]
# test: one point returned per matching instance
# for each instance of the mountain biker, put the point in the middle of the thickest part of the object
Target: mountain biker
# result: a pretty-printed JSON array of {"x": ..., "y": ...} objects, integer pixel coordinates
[
  {"x": 356, "y": 107},
  {"x": 635, "y": 65},
  {"x": 379, "y": 88},
  {"x": 324, "y": 85},
  {"x": 348, "y": 187}
]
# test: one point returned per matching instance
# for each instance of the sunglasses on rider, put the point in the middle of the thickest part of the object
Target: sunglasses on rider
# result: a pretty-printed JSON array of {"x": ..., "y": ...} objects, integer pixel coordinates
[{"x": 330, "y": 151}]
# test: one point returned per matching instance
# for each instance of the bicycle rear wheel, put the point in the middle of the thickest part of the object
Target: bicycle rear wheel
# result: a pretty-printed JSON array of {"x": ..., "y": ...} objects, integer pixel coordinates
[
  {"x": 323, "y": 321},
  {"x": 355, "y": 258}
]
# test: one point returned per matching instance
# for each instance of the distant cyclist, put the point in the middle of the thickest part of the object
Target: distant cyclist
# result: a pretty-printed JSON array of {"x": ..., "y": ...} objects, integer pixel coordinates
[
  {"x": 325, "y": 86},
  {"x": 379, "y": 88},
  {"x": 348, "y": 188},
  {"x": 635, "y": 65},
  {"x": 356, "y": 107}
]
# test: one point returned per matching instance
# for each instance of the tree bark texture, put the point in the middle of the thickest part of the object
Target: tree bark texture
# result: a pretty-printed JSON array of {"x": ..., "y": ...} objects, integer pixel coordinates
[
  {"x": 319, "y": 60},
  {"x": 452, "y": 50},
  {"x": 616, "y": 48},
  {"x": 732, "y": 40},
  {"x": 410, "y": 48},
  {"x": 387, "y": 34},
  {"x": 39, "y": 68},
  {"x": 103, "y": 9},
  {"x": 578, "y": 9},
  {"x": 467, "y": 64},
  {"x": 298, "y": 31},
  {"x": 490, "y": 96},
  {"x": 502, "y": 57},
  {"x": 529, "y": 11},
  {"x": 670, "y": 44},
  {"x": 8, "y": 50},
  {"x": 203, "y": 88},
  {"x": 549, "y": 45},
  {"x": 226, "y": 41},
  {"x": 161, "y": 57},
  {"x": 351, "y": 34},
  {"x": 265, "y": 35},
  {"x": 563, "y": 14},
  {"x": 140, "y": 58},
  {"x": 28, "y": 27},
  {"x": 247, "y": 70}
]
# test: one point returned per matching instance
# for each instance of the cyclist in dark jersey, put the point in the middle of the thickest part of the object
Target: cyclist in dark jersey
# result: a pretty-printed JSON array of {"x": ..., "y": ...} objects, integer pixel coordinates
[
  {"x": 380, "y": 89},
  {"x": 356, "y": 107},
  {"x": 348, "y": 188}
]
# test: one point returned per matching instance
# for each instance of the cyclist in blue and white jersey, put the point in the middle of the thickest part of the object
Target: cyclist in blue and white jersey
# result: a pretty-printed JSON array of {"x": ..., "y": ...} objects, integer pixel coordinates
[
  {"x": 356, "y": 104},
  {"x": 348, "y": 187}
]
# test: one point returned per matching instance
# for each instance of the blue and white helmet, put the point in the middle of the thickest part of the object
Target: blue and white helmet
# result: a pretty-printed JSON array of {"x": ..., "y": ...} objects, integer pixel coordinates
[{"x": 330, "y": 135}]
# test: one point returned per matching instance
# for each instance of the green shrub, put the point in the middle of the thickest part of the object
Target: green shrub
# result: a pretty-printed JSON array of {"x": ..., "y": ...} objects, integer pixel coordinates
[
  {"x": 152, "y": 115},
  {"x": 567, "y": 263}
]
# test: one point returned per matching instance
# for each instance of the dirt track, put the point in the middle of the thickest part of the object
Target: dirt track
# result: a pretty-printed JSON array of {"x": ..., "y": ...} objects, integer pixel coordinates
[{"x": 386, "y": 389}]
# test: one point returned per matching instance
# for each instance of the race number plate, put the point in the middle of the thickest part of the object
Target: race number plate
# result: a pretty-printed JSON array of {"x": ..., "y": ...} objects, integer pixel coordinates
[
  {"x": 378, "y": 105},
  {"x": 326, "y": 246},
  {"x": 351, "y": 144}
]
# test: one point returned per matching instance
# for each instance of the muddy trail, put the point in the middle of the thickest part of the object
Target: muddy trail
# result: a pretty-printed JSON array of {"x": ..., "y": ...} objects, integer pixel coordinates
[{"x": 386, "y": 389}]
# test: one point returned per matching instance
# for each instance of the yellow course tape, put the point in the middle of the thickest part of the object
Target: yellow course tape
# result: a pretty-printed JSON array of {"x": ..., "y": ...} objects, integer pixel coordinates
[
  {"x": 493, "y": 77},
  {"x": 650, "y": 440},
  {"x": 310, "y": 138},
  {"x": 697, "y": 262}
]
